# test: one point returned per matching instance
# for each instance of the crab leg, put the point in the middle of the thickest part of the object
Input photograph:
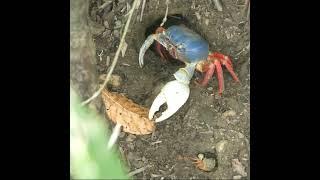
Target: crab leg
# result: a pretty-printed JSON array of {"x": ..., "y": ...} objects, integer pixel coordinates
[
  {"x": 219, "y": 76},
  {"x": 208, "y": 75},
  {"x": 226, "y": 61},
  {"x": 158, "y": 48},
  {"x": 229, "y": 67}
]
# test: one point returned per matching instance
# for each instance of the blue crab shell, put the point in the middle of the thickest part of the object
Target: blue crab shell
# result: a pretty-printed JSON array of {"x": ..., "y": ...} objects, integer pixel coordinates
[{"x": 191, "y": 47}]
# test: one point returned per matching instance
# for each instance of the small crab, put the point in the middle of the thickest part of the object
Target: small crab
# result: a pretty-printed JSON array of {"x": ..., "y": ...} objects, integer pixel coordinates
[
  {"x": 206, "y": 161},
  {"x": 189, "y": 47}
]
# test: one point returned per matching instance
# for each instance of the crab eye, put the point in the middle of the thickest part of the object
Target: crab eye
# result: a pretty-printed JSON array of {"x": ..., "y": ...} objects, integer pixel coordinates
[{"x": 180, "y": 47}]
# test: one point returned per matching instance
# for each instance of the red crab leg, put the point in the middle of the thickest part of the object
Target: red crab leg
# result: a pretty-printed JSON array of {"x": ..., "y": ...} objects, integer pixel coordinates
[
  {"x": 219, "y": 76},
  {"x": 226, "y": 61},
  {"x": 159, "y": 50},
  {"x": 208, "y": 75}
]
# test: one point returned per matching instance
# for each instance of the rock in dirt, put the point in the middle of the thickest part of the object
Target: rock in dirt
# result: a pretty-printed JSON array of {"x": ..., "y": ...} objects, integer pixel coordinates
[
  {"x": 238, "y": 167},
  {"x": 122, "y": 134},
  {"x": 206, "y": 21},
  {"x": 144, "y": 159},
  {"x": 198, "y": 16},
  {"x": 220, "y": 146},
  {"x": 116, "y": 33},
  {"x": 118, "y": 24},
  {"x": 130, "y": 138},
  {"x": 106, "y": 33},
  {"x": 131, "y": 146},
  {"x": 95, "y": 28},
  {"x": 106, "y": 24},
  {"x": 229, "y": 113},
  {"x": 234, "y": 104},
  {"x": 237, "y": 177},
  {"x": 115, "y": 80}
]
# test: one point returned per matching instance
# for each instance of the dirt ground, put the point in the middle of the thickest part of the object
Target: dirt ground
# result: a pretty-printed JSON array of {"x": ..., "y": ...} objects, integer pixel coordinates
[{"x": 207, "y": 122}]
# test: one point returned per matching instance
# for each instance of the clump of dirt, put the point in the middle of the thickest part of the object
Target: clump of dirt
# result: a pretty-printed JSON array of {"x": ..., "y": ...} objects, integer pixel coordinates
[{"x": 207, "y": 122}]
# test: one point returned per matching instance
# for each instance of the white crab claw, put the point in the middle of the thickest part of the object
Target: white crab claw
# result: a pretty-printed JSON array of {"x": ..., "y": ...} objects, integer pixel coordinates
[
  {"x": 147, "y": 43},
  {"x": 175, "y": 94}
]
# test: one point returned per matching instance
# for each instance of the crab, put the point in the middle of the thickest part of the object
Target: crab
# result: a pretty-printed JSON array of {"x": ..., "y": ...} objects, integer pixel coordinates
[
  {"x": 189, "y": 47},
  {"x": 205, "y": 161}
]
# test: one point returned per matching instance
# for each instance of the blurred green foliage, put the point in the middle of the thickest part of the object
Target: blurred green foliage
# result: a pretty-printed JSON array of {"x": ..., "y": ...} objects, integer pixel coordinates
[{"x": 89, "y": 157}]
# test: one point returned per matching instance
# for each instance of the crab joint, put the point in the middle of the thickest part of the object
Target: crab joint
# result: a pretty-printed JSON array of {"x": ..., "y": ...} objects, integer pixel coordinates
[{"x": 185, "y": 74}]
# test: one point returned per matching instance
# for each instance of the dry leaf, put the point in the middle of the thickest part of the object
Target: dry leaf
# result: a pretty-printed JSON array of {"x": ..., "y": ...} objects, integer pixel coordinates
[{"x": 131, "y": 116}]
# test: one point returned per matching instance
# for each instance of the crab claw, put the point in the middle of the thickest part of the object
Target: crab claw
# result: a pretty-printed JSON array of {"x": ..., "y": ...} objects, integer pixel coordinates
[
  {"x": 160, "y": 37},
  {"x": 175, "y": 94},
  {"x": 147, "y": 43}
]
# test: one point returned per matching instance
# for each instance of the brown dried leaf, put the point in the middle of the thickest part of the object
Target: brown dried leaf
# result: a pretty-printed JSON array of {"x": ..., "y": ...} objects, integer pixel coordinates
[{"x": 131, "y": 116}]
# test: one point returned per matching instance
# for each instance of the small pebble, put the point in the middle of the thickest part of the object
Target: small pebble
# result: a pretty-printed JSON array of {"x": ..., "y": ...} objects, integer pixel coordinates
[
  {"x": 106, "y": 24},
  {"x": 206, "y": 22},
  {"x": 238, "y": 167},
  {"x": 118, "y": 24},
  {"x": 229, "y": 113},
  {"x": 237, "y": 177},
  {"x": 227, "y": 20},
  {"x": 144, "y": 159},
  {"x": 122, "y": 134},
  {"x": 115, "y": 80},
  {"x": 108, "y": 61},
  {"x": 131, "y": 146},
  {"x": 220, "y": 146},
  {"x": 130, "y": 138},
  {"x": 116, "y": 33},
  {"x": 198, "y": 15},
  {"x": 106, "y": 33}
]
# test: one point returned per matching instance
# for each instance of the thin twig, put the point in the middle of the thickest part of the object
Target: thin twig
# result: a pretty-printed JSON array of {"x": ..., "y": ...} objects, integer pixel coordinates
[
  {"x": 137, "y": 171},
  {"x": 244, "y": 49},
  {"x": 100, "y": 55},
  {"x": 104, "y": 5},
  {"x": 142, "y": 9},
  {"x": 165, "y": 16},
  {"x": 114, "y": 136},
  {"x": 246, "y": 8},
  {"x": 115, "y": 59},
  {"x": 157, "y": 142},
  {"x": 248, "y": 12},
  {"x": 218, "y": 5}
]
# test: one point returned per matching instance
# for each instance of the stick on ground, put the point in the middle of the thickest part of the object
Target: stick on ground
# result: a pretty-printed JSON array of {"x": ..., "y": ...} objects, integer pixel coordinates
[
  {"x": 165, "y": 16},
  {"x": 115, "y": 59}
]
